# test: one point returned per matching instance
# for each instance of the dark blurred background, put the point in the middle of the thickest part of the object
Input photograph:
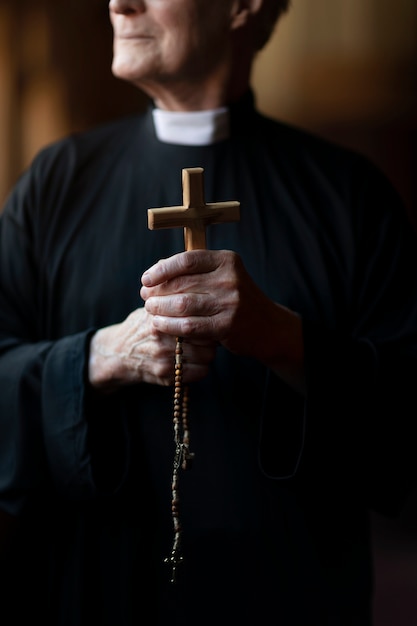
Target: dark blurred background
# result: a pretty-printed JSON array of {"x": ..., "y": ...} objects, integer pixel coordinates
[{"x": 344, "y": 68}]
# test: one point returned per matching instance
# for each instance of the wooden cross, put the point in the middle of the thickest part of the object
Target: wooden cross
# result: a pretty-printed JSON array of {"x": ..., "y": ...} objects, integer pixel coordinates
[{"x": 195, "y": 214}]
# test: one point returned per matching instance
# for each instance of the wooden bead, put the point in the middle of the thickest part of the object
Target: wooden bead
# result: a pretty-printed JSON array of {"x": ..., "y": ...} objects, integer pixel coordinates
[{"x": 183, "y": 456}]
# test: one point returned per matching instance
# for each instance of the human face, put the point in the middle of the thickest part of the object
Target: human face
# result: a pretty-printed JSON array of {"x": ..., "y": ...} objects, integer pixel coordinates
[{"x": 170, "y": 42}]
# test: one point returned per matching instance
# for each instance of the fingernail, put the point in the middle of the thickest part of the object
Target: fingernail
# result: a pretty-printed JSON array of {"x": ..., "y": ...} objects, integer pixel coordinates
[{"x": 146, "y": 279}]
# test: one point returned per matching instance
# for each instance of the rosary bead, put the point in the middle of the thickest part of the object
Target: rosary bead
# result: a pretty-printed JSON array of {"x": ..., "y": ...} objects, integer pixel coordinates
[{"x": 182, "y": 454}]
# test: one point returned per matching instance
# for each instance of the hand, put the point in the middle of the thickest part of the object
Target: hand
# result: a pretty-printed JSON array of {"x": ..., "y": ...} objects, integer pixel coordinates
[
  {"x": 208, "y": 295},
  {"x": 135, "y": 351}
]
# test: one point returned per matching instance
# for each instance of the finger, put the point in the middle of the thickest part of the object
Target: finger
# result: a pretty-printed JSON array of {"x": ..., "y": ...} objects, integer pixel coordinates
[
  {"x": 178, "y": 284},
  {"x": 192, "y": 326},
  {"x": 183, "y": 263},
  {"x": 182, "y": 305}
]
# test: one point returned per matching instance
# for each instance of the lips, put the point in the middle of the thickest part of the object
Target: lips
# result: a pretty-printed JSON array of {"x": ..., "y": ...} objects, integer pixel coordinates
[{"x": 134, "y": 36}]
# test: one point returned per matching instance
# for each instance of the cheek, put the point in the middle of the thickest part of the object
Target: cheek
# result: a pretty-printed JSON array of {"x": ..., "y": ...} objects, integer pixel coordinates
[
  {"x": 179, "y": 36},
  {"x": 175, "y": 51}
]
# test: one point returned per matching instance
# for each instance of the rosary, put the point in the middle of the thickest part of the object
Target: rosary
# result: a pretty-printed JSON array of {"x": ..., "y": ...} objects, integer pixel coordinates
[
  {"x": 193, "y": 216},
  {"x": 182, "y": 456}
]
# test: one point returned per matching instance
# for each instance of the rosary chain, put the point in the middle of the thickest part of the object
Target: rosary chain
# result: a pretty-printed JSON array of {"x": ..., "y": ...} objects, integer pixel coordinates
[{"x": 182, "y": 456}]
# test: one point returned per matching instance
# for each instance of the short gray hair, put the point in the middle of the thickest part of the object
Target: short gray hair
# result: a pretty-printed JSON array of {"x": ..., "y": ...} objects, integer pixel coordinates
[{"x": 268, "y": 17}]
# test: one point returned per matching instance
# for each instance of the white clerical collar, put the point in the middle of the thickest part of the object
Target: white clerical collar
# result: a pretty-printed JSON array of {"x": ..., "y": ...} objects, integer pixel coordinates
[{"x": 191, "y": 128}]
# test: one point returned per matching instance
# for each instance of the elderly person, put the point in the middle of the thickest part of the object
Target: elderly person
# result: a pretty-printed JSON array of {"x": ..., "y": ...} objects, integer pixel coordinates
[{"x": 198, "y": 436}]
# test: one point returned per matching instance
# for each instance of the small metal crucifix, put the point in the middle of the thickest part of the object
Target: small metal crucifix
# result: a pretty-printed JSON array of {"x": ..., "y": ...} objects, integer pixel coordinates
[{"x": 195, "y": 214}]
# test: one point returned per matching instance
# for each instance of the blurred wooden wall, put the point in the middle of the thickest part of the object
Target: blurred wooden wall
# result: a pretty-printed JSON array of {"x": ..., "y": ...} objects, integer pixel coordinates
[
  {"x": 346, "y": 68},
  {"x": 55, "y": 76}
]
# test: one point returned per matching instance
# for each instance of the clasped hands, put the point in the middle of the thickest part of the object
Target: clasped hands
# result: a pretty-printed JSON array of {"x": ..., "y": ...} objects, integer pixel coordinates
[{"x": 208, "y": 298}]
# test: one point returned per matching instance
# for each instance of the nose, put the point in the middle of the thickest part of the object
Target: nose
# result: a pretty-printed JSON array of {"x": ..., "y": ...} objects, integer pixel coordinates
[{"x": 125, "y": 7}]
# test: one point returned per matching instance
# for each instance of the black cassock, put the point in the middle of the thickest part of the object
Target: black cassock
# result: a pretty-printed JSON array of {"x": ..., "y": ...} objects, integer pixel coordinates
[{"x": 275, "y": 506}]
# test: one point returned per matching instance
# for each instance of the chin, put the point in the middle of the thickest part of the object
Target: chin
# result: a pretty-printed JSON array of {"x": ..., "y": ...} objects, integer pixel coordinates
[
  {"x": 131, "y": 62},
  {"x": 124, "y": 69}
]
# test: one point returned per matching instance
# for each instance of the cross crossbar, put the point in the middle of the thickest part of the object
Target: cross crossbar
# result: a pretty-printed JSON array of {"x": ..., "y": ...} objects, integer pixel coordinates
[{"x": 195, "y": 214}]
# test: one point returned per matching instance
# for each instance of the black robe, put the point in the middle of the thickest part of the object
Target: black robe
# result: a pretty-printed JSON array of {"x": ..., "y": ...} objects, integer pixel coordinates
[{"x": 275, "y": 507}]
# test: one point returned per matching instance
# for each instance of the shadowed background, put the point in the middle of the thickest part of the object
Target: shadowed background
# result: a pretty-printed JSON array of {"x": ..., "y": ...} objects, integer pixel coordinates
[{"x": 344, "y": 68}]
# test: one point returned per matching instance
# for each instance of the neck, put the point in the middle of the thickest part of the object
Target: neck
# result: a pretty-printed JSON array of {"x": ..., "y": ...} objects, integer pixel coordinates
[{"x": 214, "y": 93}]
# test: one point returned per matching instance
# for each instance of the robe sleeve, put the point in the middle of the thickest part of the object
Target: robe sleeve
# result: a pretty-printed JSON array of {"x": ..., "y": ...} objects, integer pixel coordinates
[
  {"x": 353, "y": 433},
  {"x": 361, "y": 404},
  {"x": 50, "y": 421}
]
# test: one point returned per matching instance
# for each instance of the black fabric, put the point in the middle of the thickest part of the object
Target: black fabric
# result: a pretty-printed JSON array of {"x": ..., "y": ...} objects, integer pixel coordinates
[{"x": 275, "y": 507}]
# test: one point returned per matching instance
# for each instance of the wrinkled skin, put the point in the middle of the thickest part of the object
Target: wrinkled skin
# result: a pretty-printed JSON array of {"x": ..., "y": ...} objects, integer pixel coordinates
[
  {"x": 208, "y": 298},
  {"x": 191, "y": 55}
]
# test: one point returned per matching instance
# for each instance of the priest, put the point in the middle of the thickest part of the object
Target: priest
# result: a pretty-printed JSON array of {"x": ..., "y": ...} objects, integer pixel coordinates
[{"x": 198, "y": 434}]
